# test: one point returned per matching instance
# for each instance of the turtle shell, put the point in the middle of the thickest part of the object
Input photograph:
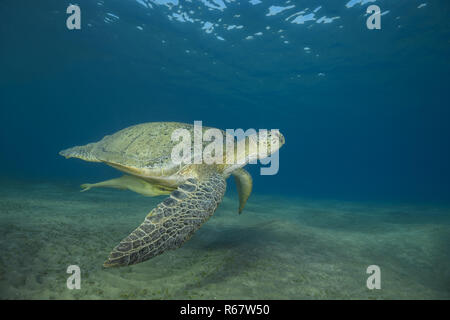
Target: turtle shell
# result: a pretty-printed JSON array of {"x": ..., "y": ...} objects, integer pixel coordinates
[{"x": 143, "y": 149}]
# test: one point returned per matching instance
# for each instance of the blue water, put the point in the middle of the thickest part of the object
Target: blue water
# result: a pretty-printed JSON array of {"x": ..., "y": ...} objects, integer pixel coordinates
[{"x": 364, "y": 112}]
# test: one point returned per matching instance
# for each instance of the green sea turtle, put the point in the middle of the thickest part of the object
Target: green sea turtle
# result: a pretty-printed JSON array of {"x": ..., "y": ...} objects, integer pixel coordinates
[{"x": 143, "y": 152}]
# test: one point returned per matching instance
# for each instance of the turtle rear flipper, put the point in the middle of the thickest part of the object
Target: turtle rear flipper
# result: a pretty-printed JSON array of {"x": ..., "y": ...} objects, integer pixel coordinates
[
  {"x": 131, "y": 183},
  {"x": 81, "y": 152},
  {"x": 172, "y": 222}
]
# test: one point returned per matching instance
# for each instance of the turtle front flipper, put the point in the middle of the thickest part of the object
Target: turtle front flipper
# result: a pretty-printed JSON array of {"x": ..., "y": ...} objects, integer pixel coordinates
[
  {"x": 172, "y": 222},
  {"x": 244, "y": 184}
]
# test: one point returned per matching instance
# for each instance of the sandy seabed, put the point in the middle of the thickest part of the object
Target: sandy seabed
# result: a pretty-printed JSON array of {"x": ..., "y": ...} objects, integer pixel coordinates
[{"x": 278, "y": 248}]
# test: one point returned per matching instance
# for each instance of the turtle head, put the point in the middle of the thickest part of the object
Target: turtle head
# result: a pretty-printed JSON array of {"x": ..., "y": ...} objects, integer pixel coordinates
[
  {"x": 264, "y": 143},
  {"x": 276, "y": 140},
  {"x": 253, "y": 147},
  {"x": 265, "y": 149}
]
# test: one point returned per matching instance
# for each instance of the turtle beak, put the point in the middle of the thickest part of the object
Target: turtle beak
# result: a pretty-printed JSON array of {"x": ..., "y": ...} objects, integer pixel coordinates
[
  {"x": 282, "y": 140},
  {"x": 280, "y": 137}
]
